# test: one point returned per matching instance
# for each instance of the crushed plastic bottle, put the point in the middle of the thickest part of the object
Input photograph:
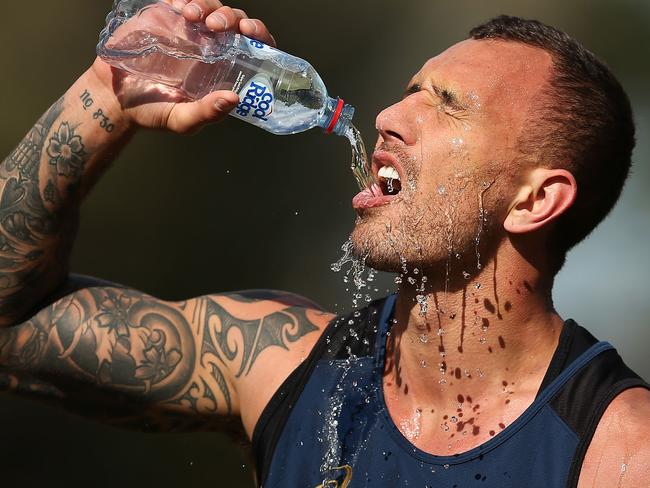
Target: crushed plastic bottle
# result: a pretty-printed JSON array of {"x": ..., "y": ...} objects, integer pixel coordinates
[{"x": 278, "y": 92}]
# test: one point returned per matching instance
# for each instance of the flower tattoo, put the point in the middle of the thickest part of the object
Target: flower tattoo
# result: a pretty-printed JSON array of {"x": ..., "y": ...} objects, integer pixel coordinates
[
  {"x": 114, "y": 314},
  {"x": 66, "y": 151},
  {"x": 158, "y": 362}
]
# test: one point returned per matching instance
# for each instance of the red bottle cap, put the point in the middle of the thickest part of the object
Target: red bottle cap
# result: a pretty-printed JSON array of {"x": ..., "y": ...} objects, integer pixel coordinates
[{"x": 335, "y": 117}]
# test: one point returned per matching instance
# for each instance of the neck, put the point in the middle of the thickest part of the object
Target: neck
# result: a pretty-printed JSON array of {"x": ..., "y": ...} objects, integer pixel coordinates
[{"x": 468, "y": 340}]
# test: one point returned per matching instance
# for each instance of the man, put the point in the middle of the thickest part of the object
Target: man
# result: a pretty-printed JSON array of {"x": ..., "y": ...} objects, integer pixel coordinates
[{"x": 505, "y": 150}]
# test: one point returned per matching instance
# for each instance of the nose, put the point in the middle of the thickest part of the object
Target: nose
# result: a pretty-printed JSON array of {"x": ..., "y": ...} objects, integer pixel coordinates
[{"x": 395, "y": 124}]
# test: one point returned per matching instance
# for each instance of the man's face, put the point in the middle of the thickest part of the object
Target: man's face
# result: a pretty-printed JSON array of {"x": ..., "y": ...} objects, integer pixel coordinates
[{"x": 452, "y": 139}]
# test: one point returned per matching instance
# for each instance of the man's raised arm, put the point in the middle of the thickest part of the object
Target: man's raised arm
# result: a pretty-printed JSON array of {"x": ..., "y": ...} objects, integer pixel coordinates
[{"x": 45, "y": 178}]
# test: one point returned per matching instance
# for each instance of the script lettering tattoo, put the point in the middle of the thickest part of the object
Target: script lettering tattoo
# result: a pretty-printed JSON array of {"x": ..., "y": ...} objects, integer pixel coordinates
[
  {"x": 86, "y": 100},
  {"x": 34, "y": 240},
  {"x": 155, "y": 365},
  {"x": 104, "y": 122}
]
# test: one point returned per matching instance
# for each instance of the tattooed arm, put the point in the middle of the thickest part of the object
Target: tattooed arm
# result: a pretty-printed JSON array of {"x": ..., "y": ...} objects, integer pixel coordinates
[
  {"x": 129, "y": 359},
  {"x": 44, "y": 179},
  {"x": 40, "y": 186}
]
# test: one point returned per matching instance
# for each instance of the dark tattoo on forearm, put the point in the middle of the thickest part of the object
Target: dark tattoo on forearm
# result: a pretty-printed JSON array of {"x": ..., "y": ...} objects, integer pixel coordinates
[
  {"x": 35, "y": 239},
  {"x": 158, "y": 360},
  {"x": 66, "y": 152},
  {"x": 104, "y": 122}
]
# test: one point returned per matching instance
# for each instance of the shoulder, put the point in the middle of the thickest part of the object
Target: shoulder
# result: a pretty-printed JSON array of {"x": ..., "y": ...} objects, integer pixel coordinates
[
  {"x": 268, "y": 333},
  {"x": 619, "y": 454}
]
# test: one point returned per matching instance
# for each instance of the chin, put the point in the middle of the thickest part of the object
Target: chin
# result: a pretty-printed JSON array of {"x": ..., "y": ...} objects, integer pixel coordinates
[
  {"x": 391, "y": 251},
  {"x": 425, "y": 247},
  {"x": 372, "y": 243}
]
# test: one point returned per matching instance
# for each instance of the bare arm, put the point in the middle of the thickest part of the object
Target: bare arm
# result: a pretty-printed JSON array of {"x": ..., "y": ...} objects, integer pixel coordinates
[
  {"x": 43, "y": 181},
  {"x": 112, "y": 353},
  {"x": 41, "y": 184},
  {"x": 126, "y": 358}
]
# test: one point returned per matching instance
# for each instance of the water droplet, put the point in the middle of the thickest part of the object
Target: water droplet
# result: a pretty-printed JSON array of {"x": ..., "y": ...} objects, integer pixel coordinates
[
  {"x": 422, "y": 301},
  {"x": 411, "y": 280},
  {"x": 466, "y": 275},
  {"x": 424, "y": 338},
  {"x": 423, "y": 364},
  {"x": 398, "y": 279},
  {"x": 454, "y": 419}
]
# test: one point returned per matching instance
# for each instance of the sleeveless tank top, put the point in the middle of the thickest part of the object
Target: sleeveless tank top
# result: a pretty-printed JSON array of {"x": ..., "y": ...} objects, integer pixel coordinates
[{"x": 328, "y": 426}]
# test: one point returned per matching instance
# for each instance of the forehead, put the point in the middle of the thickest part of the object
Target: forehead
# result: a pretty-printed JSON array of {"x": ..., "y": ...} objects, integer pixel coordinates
[{"x": 489, "y": 72}]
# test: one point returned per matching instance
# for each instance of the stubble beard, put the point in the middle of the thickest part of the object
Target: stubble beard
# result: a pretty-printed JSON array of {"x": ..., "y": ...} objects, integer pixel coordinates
[{"x": 440, "y": 232}]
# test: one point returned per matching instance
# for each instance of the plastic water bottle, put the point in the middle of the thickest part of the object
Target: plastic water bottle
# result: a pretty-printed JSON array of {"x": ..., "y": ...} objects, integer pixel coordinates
[{"x": 278, "y": 92}]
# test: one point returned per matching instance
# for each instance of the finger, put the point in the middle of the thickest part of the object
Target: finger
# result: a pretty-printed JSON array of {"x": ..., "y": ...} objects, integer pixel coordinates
[
  {"x": 178, "y": 4},
  {"x": 256, "y": 29},
  {"x": 187, "y": 118},
  {"x": 223, "y": 19},
  {"x": 198, "y": 10},
  {"x": 241, "y": 13}
]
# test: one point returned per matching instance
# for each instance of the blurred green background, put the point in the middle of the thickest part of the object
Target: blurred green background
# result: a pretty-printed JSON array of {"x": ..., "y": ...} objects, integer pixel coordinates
[{"x": 235, "y": 207}]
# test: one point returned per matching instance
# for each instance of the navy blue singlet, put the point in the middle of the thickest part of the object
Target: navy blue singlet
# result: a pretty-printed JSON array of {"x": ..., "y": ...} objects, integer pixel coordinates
[{"x": 328, "y": 425}]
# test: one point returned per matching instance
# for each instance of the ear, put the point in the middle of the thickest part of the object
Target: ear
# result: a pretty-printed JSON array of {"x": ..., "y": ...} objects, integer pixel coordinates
[{"x": 545, "y": 195}]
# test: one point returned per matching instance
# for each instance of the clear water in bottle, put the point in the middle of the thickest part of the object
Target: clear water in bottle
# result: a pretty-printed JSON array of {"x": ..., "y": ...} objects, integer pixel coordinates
[{"x": 278, "y": 92}]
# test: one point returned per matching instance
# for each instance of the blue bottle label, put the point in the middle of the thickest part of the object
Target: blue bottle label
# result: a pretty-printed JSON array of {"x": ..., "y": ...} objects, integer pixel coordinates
[{"x": 256, "y": 99}]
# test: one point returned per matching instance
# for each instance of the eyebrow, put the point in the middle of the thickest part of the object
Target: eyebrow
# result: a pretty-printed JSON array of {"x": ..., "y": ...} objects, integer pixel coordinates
[{"x": 447, "y": 96}]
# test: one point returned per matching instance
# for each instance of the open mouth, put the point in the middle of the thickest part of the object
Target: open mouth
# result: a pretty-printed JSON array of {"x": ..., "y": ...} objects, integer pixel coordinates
[
  {"x": 388, "y": 176},
  {"x": 389, "y": 180}
]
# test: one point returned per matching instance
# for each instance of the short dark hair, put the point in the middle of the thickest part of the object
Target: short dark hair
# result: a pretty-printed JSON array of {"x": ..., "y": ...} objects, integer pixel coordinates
[{"x": 583, "y": 123}]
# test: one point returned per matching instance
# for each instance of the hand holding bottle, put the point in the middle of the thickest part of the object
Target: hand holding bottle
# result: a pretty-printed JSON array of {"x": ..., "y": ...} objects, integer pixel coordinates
[{"x": 148, "y": 104}]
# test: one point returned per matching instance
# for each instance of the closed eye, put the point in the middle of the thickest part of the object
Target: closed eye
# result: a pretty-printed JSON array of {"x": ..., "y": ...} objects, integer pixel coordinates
[{"x": 411, "y": 90}]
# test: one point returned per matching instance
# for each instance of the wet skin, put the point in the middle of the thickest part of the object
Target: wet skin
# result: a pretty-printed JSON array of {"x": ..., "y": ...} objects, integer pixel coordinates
[
  {"x": 472, "y": 220},
  {"x": 488, "y": 328}
]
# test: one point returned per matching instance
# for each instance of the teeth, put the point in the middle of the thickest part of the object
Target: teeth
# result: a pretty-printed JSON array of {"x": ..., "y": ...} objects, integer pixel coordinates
[{"x": 388, "y": 172}]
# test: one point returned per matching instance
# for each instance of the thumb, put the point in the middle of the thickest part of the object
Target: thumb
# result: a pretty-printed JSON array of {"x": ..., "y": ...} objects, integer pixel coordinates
[{"x": 186, "y": 118}]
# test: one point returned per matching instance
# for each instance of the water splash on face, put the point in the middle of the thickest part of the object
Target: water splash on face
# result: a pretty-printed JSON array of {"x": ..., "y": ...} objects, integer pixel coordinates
[{"x": 481, "y": 221}]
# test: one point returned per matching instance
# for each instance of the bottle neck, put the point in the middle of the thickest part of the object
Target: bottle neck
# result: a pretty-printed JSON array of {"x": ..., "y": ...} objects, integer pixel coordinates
[{"x": 336, "y": 117}]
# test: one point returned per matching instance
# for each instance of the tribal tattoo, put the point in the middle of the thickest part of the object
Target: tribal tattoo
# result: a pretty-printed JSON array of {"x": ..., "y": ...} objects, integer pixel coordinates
[
  {"x": 35, "y": 233},
  {"x": 129, "y": 359}
]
